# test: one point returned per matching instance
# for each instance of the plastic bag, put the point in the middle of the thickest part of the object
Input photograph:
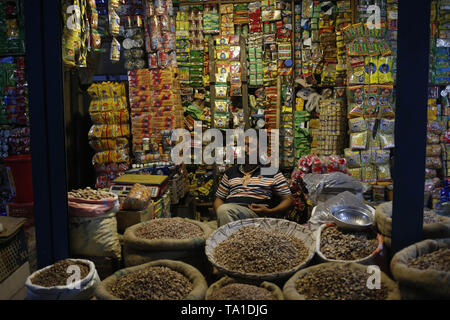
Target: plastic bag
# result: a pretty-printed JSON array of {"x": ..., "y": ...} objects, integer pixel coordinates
[
  {"x": 322, "y": 213},
  {"x": 335, "y": 182},
  {"x": 138, "y": 198}
]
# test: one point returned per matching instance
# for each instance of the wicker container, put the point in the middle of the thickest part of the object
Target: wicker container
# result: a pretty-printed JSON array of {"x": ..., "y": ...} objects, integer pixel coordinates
[
  {"x": 290, "y": 228},
  {"x": 13, "y": 246}
]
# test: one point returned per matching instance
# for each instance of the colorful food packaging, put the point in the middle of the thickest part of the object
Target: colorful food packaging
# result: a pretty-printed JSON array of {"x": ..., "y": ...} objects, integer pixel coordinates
[
  {"x": 358, "y": 140},
  {"x": 371, "y": 70},
  {"x": 385, "y": 69}
]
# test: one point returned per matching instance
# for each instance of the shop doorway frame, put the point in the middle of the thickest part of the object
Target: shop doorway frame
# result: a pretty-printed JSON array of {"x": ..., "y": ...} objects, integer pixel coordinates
[{"x": 45, "y": 77}]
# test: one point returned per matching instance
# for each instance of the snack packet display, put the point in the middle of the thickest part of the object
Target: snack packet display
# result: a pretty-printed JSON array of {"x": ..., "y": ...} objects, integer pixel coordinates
[
  {"x": 371, "y": 70},
  {"x": 358, "y": 140},
  {"x": 353, "y": 158},
  {"x": 386, "y": 140},
  {"x": 383, "y": 172},
  {"x": 385, "y": 69},
  {"x": 369, "y": 174},
  {"x": 357, "y": 124}
]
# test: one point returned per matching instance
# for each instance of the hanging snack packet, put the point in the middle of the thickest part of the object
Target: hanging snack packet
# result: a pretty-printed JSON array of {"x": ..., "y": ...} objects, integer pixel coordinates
[
  {"x": 353, "y": 158},
  {"x": 115, "y": 50},
  {"x": 369, "y": 174},
  {"x": 221, "y": 106},
  {"x": 382, "y": 156},
  {"x": 366, "y": 158},
  {"x": 433, "y": 163},
  {"x": 221, "y": 121},
  {"x": 387, "y": 126},
  {"x": 370, "y": 101},
  {"x": 355, "y": 173},
  {"x": 358, "y": 140},
  {"x": 371, "y": 70},
  {"x": 434, "y": 150},
  {"x": 385, "y": 69},
  {"x": 221, "y": 92},
  {"x": 355, "y": 101},
  {"x": 357, "y": 124},
  {"x": 383, "y": 172},
  {"x": 386, "y": 140},
  {"x": 114, "y": 23}
]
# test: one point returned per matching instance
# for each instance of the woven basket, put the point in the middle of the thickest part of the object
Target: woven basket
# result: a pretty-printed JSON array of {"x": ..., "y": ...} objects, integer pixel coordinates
[
  {"x": 290, "y": 228},
  {"x": 13, "y": 252}
]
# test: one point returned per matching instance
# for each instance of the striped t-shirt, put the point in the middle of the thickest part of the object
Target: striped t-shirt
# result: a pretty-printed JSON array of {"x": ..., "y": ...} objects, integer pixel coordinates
[{"x": 259, "y": 189}]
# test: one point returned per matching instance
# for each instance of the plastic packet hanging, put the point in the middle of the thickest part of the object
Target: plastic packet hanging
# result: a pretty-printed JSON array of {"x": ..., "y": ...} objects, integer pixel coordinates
[
  {"x": 369, "y": 174},
  {"x": 114, "y": 23},
  {"x": 386, "y": 140},
  {"x": 383, "y": 172},
  {"x": 381, "y": 156},
  {"x": 358, "y": 140},
  {"x": 355, "y": 173},
  {"x": 357, "y": 124},
  {"x": 387, "y": 126},
  {"x": 385, "y": 70},
  {"x": 434, "y": 150},
  {"x": 353, "y": 158},
  {"x": 371, "y": 70},
  {"x": 115, "y": 50}
]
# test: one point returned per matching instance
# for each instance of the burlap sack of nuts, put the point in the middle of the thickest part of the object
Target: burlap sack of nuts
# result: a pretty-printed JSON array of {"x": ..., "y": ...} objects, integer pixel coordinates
[
  {"x": 434, "y": 227},
  {"x": 291, "y": 292},
  {"x": 198, "y": 282},
  {"x": 139, "y": 250},
  {"x": 421, "y": 284},
  {"x": 271, "y": 287}
]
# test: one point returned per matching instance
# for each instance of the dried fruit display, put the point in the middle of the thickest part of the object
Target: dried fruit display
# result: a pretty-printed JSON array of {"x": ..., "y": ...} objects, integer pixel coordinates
[
  {"x": 90, "y": 194},
  {"x": 169, "y": 228}
]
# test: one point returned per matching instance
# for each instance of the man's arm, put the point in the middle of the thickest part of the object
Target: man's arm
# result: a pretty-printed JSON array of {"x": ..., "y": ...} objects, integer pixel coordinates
[
  {"x": 284, "y": 206},
  {"x": 217, "y": 203}
]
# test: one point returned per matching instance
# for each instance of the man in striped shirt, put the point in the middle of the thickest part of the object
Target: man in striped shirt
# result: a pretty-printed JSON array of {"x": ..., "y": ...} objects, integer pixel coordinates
[{"x": 245, "y": 193}]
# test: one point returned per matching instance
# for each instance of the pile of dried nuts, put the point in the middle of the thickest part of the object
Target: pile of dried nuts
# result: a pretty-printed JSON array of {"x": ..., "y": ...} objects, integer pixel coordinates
[
  {"x": 169, "y": 228},
  {"x": 429, "y": 216},
  {"x": 57, "y": 274},
  {"x": 258, "y": 250},
  {"x": 90, "y": 194},
  {"x": 339, "y": 244},
  {"x": 240, "y": 291},
  {"x": 338, "y": 283},
  {"x": 438, "y": 260},
  {"x": 153, "y": 283}
]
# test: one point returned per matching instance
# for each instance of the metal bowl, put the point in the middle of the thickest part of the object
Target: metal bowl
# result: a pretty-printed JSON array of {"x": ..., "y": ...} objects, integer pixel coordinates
[{"x": 352, "y": 217}]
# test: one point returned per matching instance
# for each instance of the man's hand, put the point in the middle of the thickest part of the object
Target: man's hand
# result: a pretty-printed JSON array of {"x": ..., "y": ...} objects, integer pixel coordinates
[{"x": 260, "y": 209}]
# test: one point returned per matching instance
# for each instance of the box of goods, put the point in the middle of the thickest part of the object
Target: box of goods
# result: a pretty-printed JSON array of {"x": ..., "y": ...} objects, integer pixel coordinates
[{"x": 128, "y": 218}]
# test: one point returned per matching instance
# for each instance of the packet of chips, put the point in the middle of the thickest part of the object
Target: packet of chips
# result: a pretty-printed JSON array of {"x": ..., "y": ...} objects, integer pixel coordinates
[
  {"x": 355, "y": 173},
  {"x": 381, "y": 156},
  {"x": 387, "y": 126},
  {"x": 221, "y": 91},
  {"x": 385, "y": 69},
  {"x": 371, "y": 70},
  {"x": 221, "y": 106},
  {"x": 357, "y": 124},
  {"x": 355, "y": 101},
  {"x": 434, "y": 150},
  {"x": 369, "y": 174},
  {"x": 367, "y": 157},
  {"x": 370, "y": 101},
  {"x": 358, "y": 140},
  {"x": 383, "y": 172},
  {"x": 353, "y": 158},
  {"x": 433, "y": 163},
  {"x": 386, "y": 140}
]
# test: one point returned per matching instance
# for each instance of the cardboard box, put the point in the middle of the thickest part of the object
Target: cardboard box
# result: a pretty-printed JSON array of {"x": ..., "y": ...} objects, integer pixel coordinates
[
  {"x": 12, "y": 288},
  {"x": 126, "y": 219}
]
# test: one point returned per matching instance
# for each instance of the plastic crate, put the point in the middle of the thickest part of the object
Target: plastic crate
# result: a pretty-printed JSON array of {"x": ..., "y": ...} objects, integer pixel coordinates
[{"x": 13, "y": 253}]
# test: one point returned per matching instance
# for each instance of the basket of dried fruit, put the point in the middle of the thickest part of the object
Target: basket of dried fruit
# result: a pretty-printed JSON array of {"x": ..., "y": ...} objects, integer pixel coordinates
[
  {"x": 168, "y": 238},
  {"x": 69, "y": 279},
  {"x": 231, "y": 289},
  {"x": 423, "y": 269},
  {"x": 260, "y": 248},
  {"x": 157, "y": 280},
  {"x": 340, "y": 281},
  {"x": 336, "y": 244},
  {"x": 90, "y": 202},
  {"x": 434, "y": 226}
]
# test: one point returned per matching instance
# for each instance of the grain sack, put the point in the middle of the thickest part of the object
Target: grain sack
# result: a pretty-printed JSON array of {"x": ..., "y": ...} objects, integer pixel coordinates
[
  {"x": 362, "y": 251},
  {"x": 338, "y": 281},
  {"x": 50, "y": 283},
  {"x": 428, "y": 283},
  {"x": 195, "y": 282},
  {"x": 138, "y": 250},
  {"x": 91, "y": 203},
  {"x": 434, "y": 227},
  {"x": 261, "y": 248},
  {"x": 94, "y": 236},
  {"x": 214, "y": 291}
]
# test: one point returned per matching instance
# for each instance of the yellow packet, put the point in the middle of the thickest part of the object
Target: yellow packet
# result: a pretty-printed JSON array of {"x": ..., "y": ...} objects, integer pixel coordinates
[
  {"x": 385, "y": 69},
  {"x": 371, "y": 70}
]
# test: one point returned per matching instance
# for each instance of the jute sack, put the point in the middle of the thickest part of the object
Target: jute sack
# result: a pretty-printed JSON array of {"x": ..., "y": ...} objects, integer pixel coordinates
[
  {"x": 290, "y": 288},
  {"x": 376, "y": 257},
  {"x": 273, "y": 288},
  {"x": 383, "y": 219},
  {"x": 138, "y": 251},
  {"x": 82, "y": 289},
  {"x": 416, "y": 283},
  {"x": 198, "y": 281}
]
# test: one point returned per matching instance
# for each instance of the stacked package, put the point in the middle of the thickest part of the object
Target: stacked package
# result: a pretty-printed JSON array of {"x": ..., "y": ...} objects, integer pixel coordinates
[
  {"x": 440, "y": 42},
  {"x": 255, "y": 57},
  {"x": 80, "y": 36},
  {"x": 12, "y": 35},
  {"x": 155, "y": 110},
  {"x": 298, "y": 40},
  {"x": 332, "y": 127},
  {"x": 210, "y": 19},
  {"x": 134, "y": 32},
  {"x": 109, "y": 134},
  {"x": 183, "y": 47},
  {"x": 240, "y": 14},
  {"x": 162, "y": 35},
  {"x": 226, "y": 19},
  {"x": 196, "y": 46},
  {"x": 302, "y": 142}
]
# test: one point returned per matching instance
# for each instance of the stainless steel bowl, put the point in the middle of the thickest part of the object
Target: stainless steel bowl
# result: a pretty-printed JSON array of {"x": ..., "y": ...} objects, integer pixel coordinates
[{"x": 350, "y": 217}]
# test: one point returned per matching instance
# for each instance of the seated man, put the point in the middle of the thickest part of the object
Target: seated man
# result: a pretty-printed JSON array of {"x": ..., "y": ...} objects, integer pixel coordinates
[{"x": 245, "y": 193}]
